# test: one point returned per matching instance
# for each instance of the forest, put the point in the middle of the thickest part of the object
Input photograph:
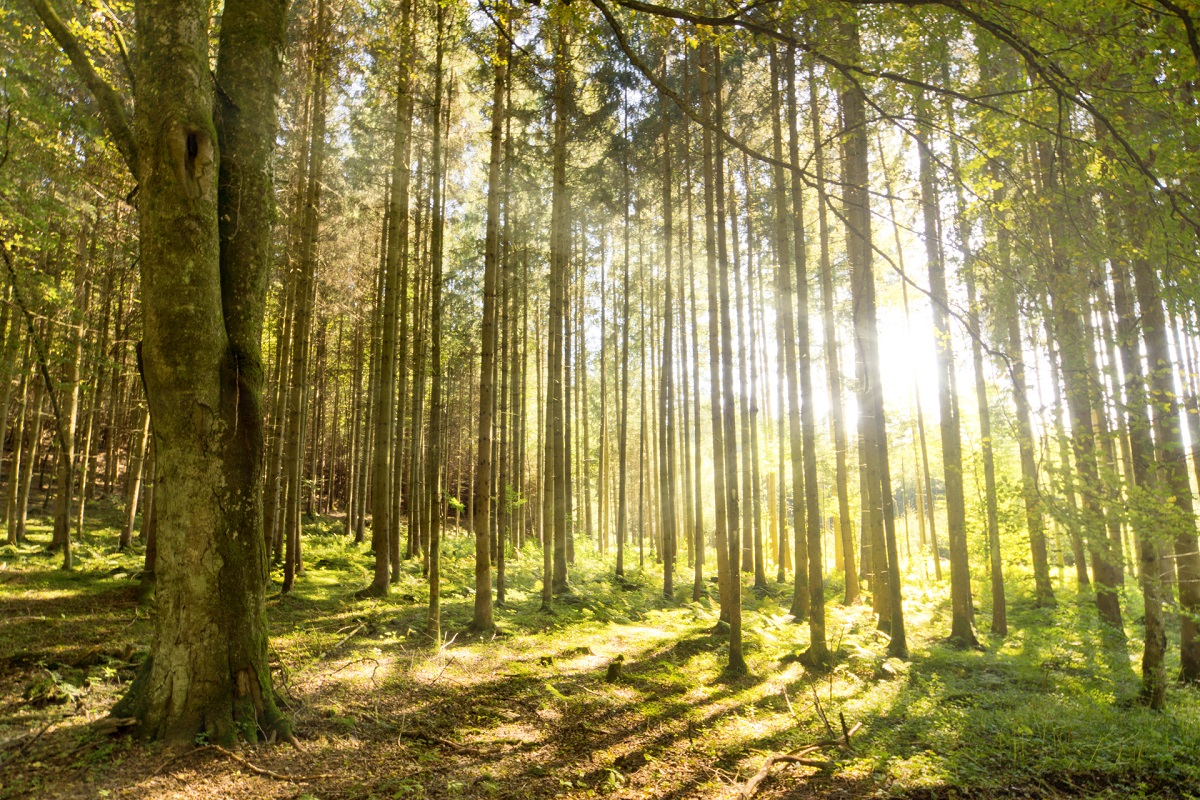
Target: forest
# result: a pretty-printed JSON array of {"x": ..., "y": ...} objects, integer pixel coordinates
[{"x": 599, "y": 398}]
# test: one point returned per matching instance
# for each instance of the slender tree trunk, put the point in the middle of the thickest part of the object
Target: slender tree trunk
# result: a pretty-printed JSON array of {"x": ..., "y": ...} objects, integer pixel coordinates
[
  {"x": 133, "y": 479},
  {"x": 1173, "y": 458},
  {"x": 1043, "y": 590},
  {"x": 787, "y": 355},
  {"x": 832, "y": 359},
  {"x": 20, "y": 452},
  {"x": 623, "y": 427},
  {"x": 737, "y": 662},
  {"x": 1146, "y": 476},
  {"x": 727, "y": 580},
  {"x": 666, "y": 392},
  {"x": 32, "y": 451},
  {"x": 961, "y": 630},
  {"x": 818, "y": 653},
  {"x": 560, "y": 244},
  {"x": 302, "y": 326},
  {"x": 963, "y": 226},
  {"x": 487, "y": 374},
  {"x": 1074, "y": 351},
  {"x": 433, "y": 448},
  {"x": 874, "y": 426}
]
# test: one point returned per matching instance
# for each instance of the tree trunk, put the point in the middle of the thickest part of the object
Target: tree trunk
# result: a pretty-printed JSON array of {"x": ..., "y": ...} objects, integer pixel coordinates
[
  {"x": 433, "y": 447},
  {"x": 487, "y": 374},
  {"x": 300, "y": 379},
  {"x": 133, "y": 478},
  {"x": 1173, "y": 459},
  {"x": 961, "y": 630},
  {"x": 205, "y": 232},
  {"x": 885, "y": 558},
  {"x": 727, "y": 578},
  {"x": 832, "y": 358},
  {"x": 818, "y": 653},
  {"x": 666, "y": 392},
  {"x": 801, "y": 596},
  {"x": 737, "y": 662},
  {"x": 1146, "y": 475}
]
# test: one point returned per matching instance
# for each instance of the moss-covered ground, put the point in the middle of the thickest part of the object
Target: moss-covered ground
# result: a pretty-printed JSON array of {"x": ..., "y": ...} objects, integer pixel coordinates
[{"x": 382, "y": 712}]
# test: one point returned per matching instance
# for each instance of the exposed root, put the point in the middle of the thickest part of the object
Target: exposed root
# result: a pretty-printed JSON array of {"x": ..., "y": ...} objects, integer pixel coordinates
[
  {"x": 257, "y": 770},
  {"x": 372, "y": 591}
]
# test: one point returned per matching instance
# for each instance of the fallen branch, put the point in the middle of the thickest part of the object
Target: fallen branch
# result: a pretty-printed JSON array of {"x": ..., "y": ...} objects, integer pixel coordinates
[
  {"x": 26, "y": 741},
  {"x": 334, "y": 649},
  {"x": 789, "y": 758},
  {"x": 257, "y": 770},
  {"x": 848, "y": 732}
]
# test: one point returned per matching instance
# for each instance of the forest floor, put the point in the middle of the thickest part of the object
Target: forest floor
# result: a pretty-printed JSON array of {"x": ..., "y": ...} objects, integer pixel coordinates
[{"x": 1047, "y": 711}]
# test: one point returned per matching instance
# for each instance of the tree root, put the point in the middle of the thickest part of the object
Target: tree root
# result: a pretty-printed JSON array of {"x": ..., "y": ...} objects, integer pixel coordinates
[
  {"x": 464, "y": 749},
  {"x": 257, "y": 770}
]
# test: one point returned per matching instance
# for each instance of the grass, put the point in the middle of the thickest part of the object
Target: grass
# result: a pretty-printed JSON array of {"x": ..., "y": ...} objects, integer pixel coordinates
[{"x": 1046, "y": 712}]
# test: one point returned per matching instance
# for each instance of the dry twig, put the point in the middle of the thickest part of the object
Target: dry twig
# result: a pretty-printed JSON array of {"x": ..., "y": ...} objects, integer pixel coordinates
[{"x": 789, "y": 758}]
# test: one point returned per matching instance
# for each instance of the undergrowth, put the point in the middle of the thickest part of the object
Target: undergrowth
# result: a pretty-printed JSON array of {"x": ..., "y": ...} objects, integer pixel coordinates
[{"x": 1047, "y": 711}]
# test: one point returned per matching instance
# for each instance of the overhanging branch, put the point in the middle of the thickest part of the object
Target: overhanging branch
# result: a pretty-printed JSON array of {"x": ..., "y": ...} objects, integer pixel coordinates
[{"x": 111, "y": 108}]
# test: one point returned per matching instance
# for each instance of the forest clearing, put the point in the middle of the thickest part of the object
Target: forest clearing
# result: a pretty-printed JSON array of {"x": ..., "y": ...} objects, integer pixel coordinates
[{"x": 633, "y": 398}]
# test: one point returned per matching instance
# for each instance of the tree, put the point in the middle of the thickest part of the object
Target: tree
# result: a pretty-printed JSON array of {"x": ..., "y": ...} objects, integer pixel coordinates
[{"x": 202, "y": 159}]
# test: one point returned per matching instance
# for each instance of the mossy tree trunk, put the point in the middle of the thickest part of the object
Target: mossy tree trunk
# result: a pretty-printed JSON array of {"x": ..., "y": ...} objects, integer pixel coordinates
[{"x": 206, "y": 205}]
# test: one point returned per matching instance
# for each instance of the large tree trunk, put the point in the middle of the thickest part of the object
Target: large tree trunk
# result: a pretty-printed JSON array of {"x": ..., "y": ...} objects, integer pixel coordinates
[{"x": 207, "y": 670}]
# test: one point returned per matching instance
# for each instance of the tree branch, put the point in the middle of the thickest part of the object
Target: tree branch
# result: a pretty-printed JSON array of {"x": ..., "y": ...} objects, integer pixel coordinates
[{"x": 111, "y": 108}]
